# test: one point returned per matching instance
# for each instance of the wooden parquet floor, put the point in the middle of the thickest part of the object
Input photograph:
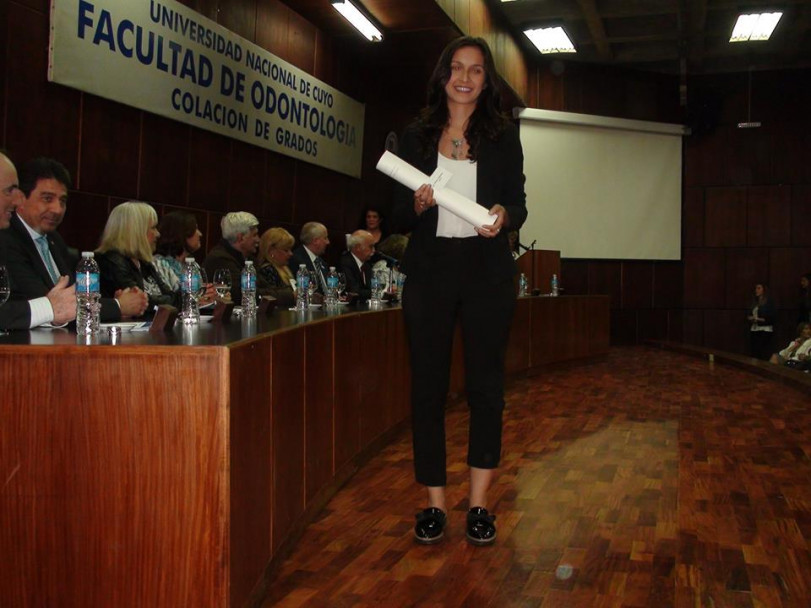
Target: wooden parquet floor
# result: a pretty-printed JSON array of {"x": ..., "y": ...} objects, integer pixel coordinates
[{"x": 648, "y": 478}]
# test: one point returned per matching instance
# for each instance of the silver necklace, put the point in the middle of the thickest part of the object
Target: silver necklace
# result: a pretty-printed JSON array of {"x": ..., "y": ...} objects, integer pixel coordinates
[{"x": 457, "y": 148}]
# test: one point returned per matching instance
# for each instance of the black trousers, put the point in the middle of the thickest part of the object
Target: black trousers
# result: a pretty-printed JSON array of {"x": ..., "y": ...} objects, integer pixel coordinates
[
  {"x": 760, "y": 344},
  {"x": 454, "y": 289}
]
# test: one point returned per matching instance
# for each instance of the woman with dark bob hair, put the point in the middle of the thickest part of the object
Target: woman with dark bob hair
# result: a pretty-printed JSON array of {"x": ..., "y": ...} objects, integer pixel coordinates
[
  {"x": 179, "y": 238},
  {"x": 454, "y": 268}
]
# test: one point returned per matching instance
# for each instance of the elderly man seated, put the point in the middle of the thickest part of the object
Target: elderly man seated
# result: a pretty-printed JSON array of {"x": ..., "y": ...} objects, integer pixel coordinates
[{"x": 355, "y": 263}]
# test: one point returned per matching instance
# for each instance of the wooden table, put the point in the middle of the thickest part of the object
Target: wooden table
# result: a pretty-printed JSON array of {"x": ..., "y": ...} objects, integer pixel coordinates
[{"x": 171, "y": 469}]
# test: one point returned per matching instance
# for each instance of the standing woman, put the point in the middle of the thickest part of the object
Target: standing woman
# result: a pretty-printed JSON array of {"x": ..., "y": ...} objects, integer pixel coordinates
[
  {"x": 453, "y": 268},
  {"x": 761, "y": 329}
]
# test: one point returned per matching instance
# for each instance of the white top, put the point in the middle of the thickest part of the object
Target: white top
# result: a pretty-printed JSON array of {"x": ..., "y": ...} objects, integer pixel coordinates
[{"x": 463, "y": 182}]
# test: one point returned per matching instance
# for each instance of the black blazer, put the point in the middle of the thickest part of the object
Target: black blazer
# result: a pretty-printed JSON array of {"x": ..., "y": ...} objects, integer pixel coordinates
[
  {"x": 302, "y": 257},
  {"x": 354, "y": 277},
  {"x": 15, "y": 315},
  {"x": 29, "y": 277},
  {"x": 499, "y": 180}
]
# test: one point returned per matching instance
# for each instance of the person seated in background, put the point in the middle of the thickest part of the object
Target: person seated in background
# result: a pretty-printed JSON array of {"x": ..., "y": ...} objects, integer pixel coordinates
[
  {"x": 240, "y": 239},
  {"x": 390, "y": 252},
  {"x": 35, "y": 254},
  {"x": 314, "y": 242},
  {"x": 761, "y": 321},
  {"x": 58, "y": 306},
  {"x": 179, "y": 238},
  {"x": 805, "y": 298},
  {"x": 798, "y": 353},
  {"x": 275, "y": 251},
  {"x": 125, "y": 254},
  {"x": 355, "y": 264},
  {"x": 373, "y": 222}
]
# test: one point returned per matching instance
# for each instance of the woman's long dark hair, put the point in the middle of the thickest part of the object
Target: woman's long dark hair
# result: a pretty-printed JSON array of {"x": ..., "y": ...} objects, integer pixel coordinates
[
  {"x": 175, "y": 228},
  {"x": 487, "y": 119}
]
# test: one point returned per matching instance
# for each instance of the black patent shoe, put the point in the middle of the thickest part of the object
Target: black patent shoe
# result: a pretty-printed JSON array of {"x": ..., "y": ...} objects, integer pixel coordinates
[
  {"x": 480, "y": 527},
  {"x": 430, "y": 526}
]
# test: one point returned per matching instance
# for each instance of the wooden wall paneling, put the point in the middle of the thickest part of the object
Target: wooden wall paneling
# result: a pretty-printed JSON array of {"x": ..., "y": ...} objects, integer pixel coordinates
[
  {"x": 785, "y": 329},
  {"x": 744, "y": 269},
  {"x": 320, "y": 195},
  {"x": 725, "y": 217},
  {"x": 94, "y": 497},
  {"x": 164, "y": 162},
  {"x": 693, "y": 217},
  {"x": 271, "y": 27},
  {"x": 111, "y": 135},
  {"x": 42, "y": 119},
  {"x": 780, "y": 93},
  {"x": 207, "y": 8},
  {"x": 801, "y": 215},
  {"x": 348, "y": 378},
  {"x": 319, "y": 404},
  {"x": 551, "y": 86},
  {"x": 84, "y": 221},
  {"x": 461, "y": 15},
  {"x": 239, "y": 16},
  {"x": 213, "y": 233},
  {"x": 287, "y": 442},
  {"x": 786, "y": 265},
  {"x": 668, "y": 284},
  {"x": 3, "y": 70},
  {"x": 250, "y": 465},
  {"x": 301, "y": 40},
  {"x": 693, "y": 327},
  {"x": 246, "y": 179},
  {"x": 748, "y": 159},
  {"x": 326, "y": 58},
  {"x": 208, "y": 170},
  {"x": 574, "y": 277},
  {"x": 560, "y": 329},
  {"x": 704, "y": 278},
  {"x": 624, "y": 330},
  {"x": 768, "y": 217},
  {"x": 792, "y": 158},
  {"x": 727, "y": 330},
  {"x": 605, "y": 278},
  {"x": 652, "y": 325},
  {"x": 518, "y": 347},
  {"x": 675, "y": 326},
  {"x": 637, "y": 284},
  {"x": 281, "y": 175},
  {"x": 703, "y": 158},
  {"x": 599, "y": 320}
]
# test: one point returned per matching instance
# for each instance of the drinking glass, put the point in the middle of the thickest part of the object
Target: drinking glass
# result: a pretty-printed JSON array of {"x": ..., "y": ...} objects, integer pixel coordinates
[
  {"x": 313, "y": 283},
  {"x": 201, "y": 290},
  {"x": 5, "y": 290},
  {"x": 222, "y": 282},
  {"x": 341, "y": 283}
]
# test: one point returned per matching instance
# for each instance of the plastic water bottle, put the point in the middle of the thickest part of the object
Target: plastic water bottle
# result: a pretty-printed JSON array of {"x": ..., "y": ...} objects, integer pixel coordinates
[
  {"x": 191, "y": 284},
  {"x": 522, "y": 284},
  {"x": 331, "y": 297},
  {"x": 302, "y": 288},
  {"x": 248, "y": 284},
  {"x": 377, "y": 288},
  {"x": 554, "y": 285},
  {"x": 88, "y": 294}
]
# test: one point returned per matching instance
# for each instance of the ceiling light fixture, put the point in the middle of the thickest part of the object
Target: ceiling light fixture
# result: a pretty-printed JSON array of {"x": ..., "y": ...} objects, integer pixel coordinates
[
  {"x": 550, "y": 40},
  {"x": 757, "y": 26},
  {"x": 358, "y": 19}
]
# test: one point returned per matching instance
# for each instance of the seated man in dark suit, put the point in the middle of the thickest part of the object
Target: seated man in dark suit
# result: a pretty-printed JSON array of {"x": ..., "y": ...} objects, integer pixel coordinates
[
  {"x": 240, "y": 240},
  {"x": 355, "y": 264},
  {"x": 58, "y": 306},
  {"x": 314, "y": 241},
  {"x": 34, "y": 252}
]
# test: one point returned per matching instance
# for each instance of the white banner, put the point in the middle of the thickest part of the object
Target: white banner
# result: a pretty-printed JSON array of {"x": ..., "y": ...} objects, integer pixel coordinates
[{"x": 163, "y": 57}]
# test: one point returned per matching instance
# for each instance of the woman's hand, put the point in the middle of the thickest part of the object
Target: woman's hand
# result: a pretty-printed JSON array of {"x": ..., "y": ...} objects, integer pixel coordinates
[
  {"x": 209, "y": 296},
  {"x": 493, "y": 229},
  {"x": 423, "y": 199}
]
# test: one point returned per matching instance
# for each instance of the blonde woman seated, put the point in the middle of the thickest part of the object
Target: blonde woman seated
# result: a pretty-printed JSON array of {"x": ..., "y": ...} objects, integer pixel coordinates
[
  {"x": 125, "y": 254},
  {"x": 798, "y": 353},
  {"x": 275, "y": 250}
]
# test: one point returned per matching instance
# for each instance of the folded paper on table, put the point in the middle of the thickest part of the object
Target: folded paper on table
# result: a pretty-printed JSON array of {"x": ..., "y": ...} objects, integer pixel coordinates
[{"x": 410, "y": 177}]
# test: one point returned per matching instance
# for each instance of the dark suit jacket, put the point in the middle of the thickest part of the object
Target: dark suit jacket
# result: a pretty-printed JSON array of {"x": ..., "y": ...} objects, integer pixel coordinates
[
  {"x": 29, "y": 277},
  {"x": 354, "y": 278},
  {"x": 119, "y": 272},
  {"x": 302, "y": 257},
  {"x": 223, "y": 255},
  {"x": 15, "y": 315},
  {"x": 499, "y": 180}
]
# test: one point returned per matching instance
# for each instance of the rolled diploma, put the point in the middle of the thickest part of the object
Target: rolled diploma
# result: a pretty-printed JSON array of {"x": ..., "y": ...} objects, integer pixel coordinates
[{"x": 410, "y": 177}]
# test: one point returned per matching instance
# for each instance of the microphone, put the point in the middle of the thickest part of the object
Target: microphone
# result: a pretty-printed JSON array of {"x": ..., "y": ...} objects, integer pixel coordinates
[
  {"x": 522, "y": 246},
  {"x": 389, "y": 260},
  {"x": 532, "y": 245}
]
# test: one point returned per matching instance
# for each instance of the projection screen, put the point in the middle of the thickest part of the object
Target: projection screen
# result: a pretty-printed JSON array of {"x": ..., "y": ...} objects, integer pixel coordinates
[{"x": 602, "y": 188}]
